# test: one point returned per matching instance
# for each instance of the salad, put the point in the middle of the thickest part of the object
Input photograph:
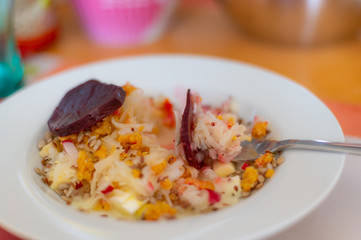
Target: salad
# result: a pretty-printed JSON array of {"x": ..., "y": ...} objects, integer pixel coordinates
[{"x": 118, "y": 152}]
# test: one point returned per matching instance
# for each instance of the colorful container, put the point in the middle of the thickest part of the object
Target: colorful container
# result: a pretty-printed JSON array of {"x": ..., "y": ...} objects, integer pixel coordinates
[
  {"x": 11, "y": 69},
  {"x": 124, "y": 22},
  {"x": 36, "y": 25}
]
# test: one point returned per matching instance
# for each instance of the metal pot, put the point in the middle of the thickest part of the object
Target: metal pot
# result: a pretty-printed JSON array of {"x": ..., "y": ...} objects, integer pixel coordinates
[{"x": 303, "y": 22}]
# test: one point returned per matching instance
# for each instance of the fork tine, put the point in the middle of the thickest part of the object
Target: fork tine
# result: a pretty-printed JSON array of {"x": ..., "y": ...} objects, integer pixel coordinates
[{"x": 248, "y": 151}]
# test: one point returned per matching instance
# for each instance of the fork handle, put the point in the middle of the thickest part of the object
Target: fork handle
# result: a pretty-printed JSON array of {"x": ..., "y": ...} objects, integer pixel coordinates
[{"x": 320, "y": 145}]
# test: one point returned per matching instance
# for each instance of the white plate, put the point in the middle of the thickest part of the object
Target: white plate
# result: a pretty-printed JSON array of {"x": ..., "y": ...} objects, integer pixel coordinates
[{"x": 298, "y": 186}]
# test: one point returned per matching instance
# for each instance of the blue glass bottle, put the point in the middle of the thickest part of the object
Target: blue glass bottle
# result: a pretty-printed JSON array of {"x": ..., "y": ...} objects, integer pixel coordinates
[{"x": 11, "y": 69}]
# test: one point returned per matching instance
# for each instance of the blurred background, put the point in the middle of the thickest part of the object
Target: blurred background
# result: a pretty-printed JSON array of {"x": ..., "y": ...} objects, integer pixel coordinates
[
  {"x": 317, "y": 43},
  {"x": 314, "y": 42}
]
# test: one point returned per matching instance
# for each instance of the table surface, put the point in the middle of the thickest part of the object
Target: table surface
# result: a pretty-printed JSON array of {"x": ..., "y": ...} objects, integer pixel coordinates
[{"x": 332, "y": 72}]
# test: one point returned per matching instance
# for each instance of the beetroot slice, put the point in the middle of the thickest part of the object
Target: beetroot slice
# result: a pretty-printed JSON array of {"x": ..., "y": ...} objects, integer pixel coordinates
[
  {"x": 85, "y": 105},
  {"x": 186, "y": 133}
]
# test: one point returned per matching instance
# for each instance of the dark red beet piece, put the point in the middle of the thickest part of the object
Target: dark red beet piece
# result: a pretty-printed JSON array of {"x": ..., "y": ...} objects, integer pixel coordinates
[
  {"x": 85, "y": 105},
  {"x": 186, "y": 133}
]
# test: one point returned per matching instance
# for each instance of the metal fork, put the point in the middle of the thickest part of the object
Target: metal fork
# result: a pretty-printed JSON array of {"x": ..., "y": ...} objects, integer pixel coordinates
[{"x": 251, "y": 150}]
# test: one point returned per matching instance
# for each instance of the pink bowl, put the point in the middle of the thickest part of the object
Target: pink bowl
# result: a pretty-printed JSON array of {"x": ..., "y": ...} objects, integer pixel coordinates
[{"x": 124, "y": 22}]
